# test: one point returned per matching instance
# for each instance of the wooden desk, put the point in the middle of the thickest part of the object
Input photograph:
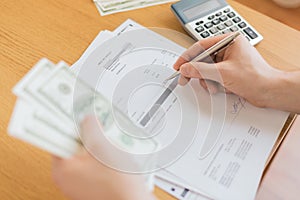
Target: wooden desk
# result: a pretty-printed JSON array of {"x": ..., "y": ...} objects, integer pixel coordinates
[{"x": 61, "y": 30}]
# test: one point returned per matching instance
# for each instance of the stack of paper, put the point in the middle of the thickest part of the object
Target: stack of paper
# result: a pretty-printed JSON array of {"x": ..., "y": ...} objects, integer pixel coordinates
[
  {"x": 228, "y": 140},
  {"x": 106, "y": 7},
  {"x": 210, "y": 147}
]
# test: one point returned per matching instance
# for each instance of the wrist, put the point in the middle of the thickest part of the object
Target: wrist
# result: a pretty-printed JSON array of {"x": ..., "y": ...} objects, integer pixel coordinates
[{"x": 278, "y": 91}]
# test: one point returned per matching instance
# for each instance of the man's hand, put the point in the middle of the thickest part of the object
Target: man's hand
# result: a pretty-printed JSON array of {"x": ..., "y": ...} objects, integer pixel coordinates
[
  {"x": 239, "y": 68},
  {"x": 82, "y": 177}
]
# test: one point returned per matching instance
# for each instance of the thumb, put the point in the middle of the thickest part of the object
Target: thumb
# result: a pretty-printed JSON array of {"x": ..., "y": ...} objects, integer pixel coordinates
[
  {"x": 94, "y": 140},
  {"x": 91, "y": 132},
  {"x": 202, "y": 70},
  {"x": 103, "y": 147}
]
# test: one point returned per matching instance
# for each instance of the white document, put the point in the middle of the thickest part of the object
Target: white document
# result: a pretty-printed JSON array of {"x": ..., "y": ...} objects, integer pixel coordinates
[
  {"x": 218, "y": 144},
  {"x": 100, "y": 38},
  {"x": 168, "y": 181},
  {"x": 232, "y": 170},
  {"x": 179, "y": 191}
]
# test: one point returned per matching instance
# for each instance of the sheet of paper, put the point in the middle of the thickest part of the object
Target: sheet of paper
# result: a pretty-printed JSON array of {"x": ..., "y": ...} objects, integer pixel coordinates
[
  {"x": 218, "y": 144},
  {"x": 100, "y": 38},
  {"x": 178, "y": 191},
  {"x": 233, "y": 168},
  {"x": 119, "y": 85},
  {"x": 169, "y": 180},
  {"x": 128, "y": 25},
  {"x": 103, "y": 36}
]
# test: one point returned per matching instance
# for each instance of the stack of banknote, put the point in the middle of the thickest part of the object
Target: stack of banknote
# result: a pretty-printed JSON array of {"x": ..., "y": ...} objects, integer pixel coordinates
[
  {"x": 51, "y": 103},
  {"x": 106, "y": 7}
]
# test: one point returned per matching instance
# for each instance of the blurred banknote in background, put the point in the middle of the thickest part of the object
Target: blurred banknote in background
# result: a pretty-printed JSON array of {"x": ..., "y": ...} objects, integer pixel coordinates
[{"x": 106, "y": 7}]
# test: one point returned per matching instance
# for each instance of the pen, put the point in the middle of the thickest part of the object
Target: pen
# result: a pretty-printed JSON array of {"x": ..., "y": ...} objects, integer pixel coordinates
[{"x": 213, "y": 50}]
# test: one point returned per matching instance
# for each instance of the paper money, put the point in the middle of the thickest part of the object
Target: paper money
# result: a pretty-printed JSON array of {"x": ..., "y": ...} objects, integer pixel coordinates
[
  {"x": 106, "y": 7},
  {"x": 51, "y": 103},
  {"x": 27, "y": 88},
  {"x": 29, "y": 128}
]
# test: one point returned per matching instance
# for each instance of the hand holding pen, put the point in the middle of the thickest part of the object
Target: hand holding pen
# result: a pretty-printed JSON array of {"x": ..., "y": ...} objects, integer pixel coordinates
[
  {"x": 211, "y": 51},
  {"x": 239, "y": 68}
]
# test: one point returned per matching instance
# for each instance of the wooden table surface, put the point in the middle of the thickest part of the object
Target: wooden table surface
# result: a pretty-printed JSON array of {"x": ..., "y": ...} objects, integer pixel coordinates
[
  {"x": 288, "y": 16},
  {"x": 61, "y": 30}
]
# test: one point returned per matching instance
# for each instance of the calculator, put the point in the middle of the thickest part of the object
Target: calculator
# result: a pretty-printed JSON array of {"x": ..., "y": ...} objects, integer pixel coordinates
[{"x": 207, "y": 18}]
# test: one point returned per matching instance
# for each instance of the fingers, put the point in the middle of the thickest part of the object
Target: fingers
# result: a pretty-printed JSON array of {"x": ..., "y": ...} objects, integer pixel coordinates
[
  {"x": 202, "y": 70},
  {"x": 211, "y": 86},
  {"x": 105, "y": 145},
  {"x": 207, "y": 73},
  {"x": 188, "y": 55},
  {"x": 206, "y": 43},
  {"x": 89, "y": 123},
  {"x": 56, "y": 157},
  {"x": 196, "y": 49},
  {"x": 92, "y": 134},
  {"x": 187, "y": 72},
  {"x": 183, "y": 80},
  {"x": 179, "y": 62}
]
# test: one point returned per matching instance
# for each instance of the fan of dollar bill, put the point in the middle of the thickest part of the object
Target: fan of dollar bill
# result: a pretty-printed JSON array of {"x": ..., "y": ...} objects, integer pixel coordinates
[
  {"x": 106, "y": 7},
  {"x": 46, "y": 114}
]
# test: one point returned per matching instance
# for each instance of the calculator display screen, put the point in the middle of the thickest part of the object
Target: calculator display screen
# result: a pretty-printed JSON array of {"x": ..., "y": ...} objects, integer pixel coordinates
[{"x": 201, "y": 9}]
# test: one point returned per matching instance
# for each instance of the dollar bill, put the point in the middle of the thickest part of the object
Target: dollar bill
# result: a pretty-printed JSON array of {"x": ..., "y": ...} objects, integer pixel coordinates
[
  {"x": 25, "y": 125},
  {"x": 59, "y": 91},
  {"x": 28, "y": 86},
  {"x": 48, "y": 113},
  {"x": 110, "y": 7}
]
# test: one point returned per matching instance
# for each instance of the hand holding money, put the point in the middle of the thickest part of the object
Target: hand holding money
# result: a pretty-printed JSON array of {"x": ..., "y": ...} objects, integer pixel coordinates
[
  {"x": 48, "y": 115},
  {"x": 52, "y": 101},
  {"x": 83, "y": 177}
]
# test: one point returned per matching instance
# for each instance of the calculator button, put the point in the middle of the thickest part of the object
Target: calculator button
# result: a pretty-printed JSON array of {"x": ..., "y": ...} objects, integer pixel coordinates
[
  {"x": 228, "y": 23},
  {"x": 198, "y": 23},
  {"x": 199, "y": 29},
  {"x": 211, "y": 17},
  {"x": 208, "y": 25},
  {"x": 205, "y": 34},
  {"x": 223, "y": 18},
  {"x": 242, "y": 25},
  {"x": 234, "y": 28},
  {"x": 218, "y": 33},
  {"x": 221, "y": 27},
  {"x": 226, "y": 31},
  {"x": 213, "y": 30},
  {"x": 236, "y": 19},
  {"x": 226, "y": 10},
  {"x": 231, "y": 15},
  {"x": 215, "y": 21},
  {"x": 250, "y": 33},
  {"x": 218, "y": 14}
]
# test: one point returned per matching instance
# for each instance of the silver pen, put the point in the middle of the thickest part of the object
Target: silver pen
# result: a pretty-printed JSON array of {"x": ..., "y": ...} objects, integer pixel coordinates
[{"x": 213, "y": 50}]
